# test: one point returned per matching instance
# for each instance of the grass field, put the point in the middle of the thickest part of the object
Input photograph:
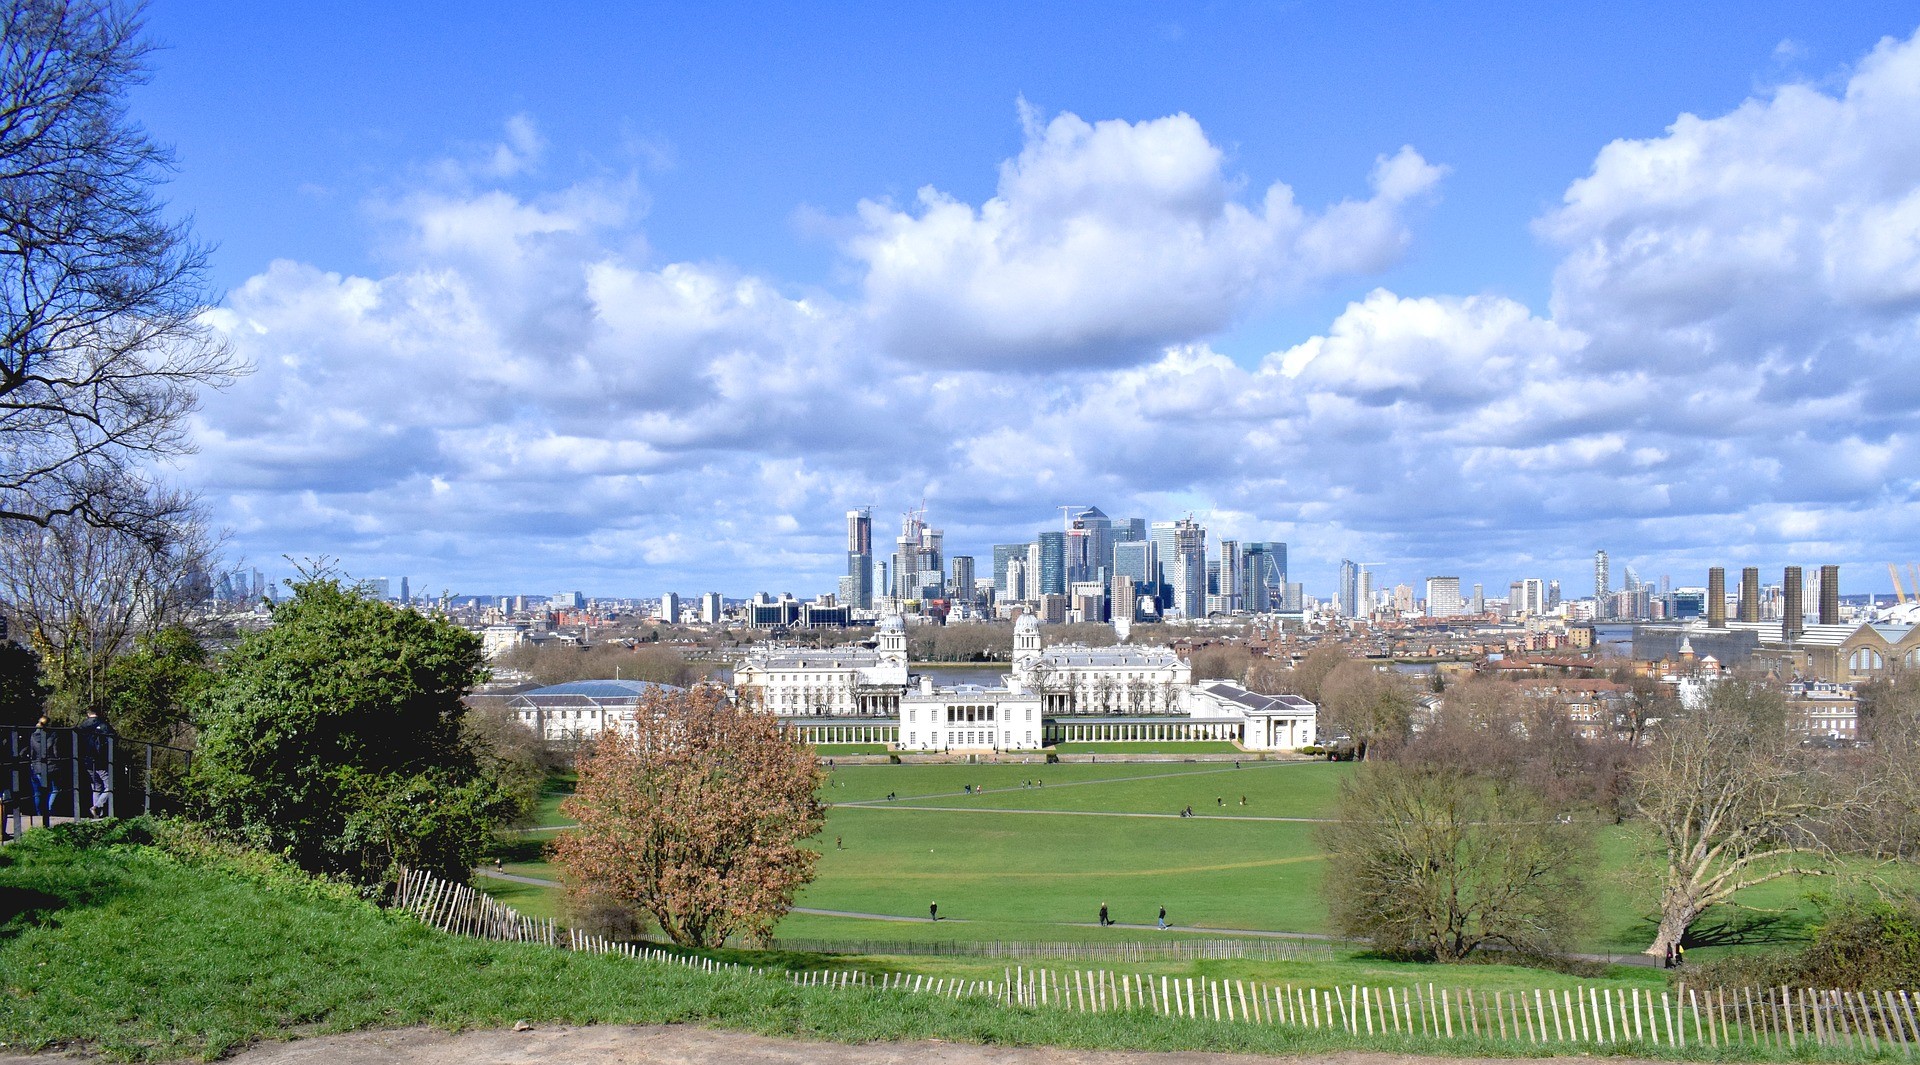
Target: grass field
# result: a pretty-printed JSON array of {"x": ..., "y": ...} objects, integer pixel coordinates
[
  {"x": 1027, "y": 851},
  {"x": 1146, "y": 747}
]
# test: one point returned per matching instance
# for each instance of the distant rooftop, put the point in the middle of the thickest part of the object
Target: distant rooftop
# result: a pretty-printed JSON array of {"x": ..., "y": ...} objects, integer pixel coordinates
[{"x": 599, "y": 689}]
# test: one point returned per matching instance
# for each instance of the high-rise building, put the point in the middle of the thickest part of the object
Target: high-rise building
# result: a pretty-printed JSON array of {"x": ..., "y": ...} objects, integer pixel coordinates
[
  {"x": 1602, "y": 585},
  {"x": 1189, "y": 573},
  {"x": 712, "y": 608},
  {"x": 1479, "y": 599},
  {"x": 1122, "y": 600},
  {"x": 1002, "y": 555},
  {"x": 858, "y": 587},
  {"x": 1138, "y": 559},
  {"x": 1053, "y": 563},
  {"x": 917, "y": 561},
  {"x": 1129, "y": 530},
  {"x": 1232, "y": 584},
  {"x": 406, "y": 593},
  {"x": 1263, "y": 575},
  {"x": 566, "y": 601},
  {"x": 1443, "y": 597},
  {"x": 962, "y": 588},
  {"x": 1093, "y": 532},
  {"x": 1363, "y": 596},
  {"x": 670, "y": 608},
  {"x": 1716, "y": 597},
  {"x": 1018, "y": 588},
  {"x": 1347, "y": 601},
  {"x": 1793, "y": 611},
  {"x": 1749, "y": 594},
  {"x": 1553, "y": 594},
  {"x": 1829, "y": 595}
]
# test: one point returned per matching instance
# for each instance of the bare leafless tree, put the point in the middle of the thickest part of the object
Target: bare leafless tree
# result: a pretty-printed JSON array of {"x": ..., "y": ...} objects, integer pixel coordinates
[
  {"x": 82, "y": 594},
  {"x": 1734, "y": 800},
  {"x": 103, "y": 344}
]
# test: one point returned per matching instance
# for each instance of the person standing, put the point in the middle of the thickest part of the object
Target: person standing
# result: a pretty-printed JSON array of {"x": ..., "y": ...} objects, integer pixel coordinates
[
  {"x": 1669, "y": 960},
  {"x": 933, "y": 911},
  {"x": 1679, "y": 955},
  {"x": 42, "y": 748},
  {"x": 95, "y": 738},
  {"x": 1103, "y": 916},
  {"x": 1163, "y": 918}
]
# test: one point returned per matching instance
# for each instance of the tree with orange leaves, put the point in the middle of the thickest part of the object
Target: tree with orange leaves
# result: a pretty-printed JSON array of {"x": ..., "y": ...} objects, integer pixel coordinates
[{"x": 695, "y": 816}]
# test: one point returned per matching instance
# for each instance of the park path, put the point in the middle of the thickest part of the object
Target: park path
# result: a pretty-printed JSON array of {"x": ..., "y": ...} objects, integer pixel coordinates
[
  {"x": 680, "y": 1044},
  {"x": 1638, "y": 960},
  {"x": 902, "y": 805}
]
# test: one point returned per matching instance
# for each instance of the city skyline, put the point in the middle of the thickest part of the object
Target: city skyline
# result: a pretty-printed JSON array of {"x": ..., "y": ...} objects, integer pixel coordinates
[{"x": 598, "y": 320}]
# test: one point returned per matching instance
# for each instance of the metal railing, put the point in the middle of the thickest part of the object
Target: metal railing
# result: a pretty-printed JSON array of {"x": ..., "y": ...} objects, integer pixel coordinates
[{"x": 81, "y": 780}]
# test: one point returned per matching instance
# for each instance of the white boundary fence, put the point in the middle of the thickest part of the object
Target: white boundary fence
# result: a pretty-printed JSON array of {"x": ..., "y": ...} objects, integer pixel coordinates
[{"x": 1778, "y": 1018}]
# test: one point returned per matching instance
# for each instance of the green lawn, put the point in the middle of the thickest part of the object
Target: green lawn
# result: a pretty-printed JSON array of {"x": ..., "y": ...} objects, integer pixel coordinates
[
  {"x": 832, "y": 750},
  {"x": 1032, "y": 853}
]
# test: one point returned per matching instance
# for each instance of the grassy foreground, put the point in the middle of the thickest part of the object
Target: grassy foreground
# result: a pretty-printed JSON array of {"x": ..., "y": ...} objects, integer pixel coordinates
[{"x": 149, "y": 952}]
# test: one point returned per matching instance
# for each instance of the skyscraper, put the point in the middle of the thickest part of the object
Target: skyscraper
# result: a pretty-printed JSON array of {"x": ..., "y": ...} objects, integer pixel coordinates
[
  {"x": 1003, "y": 554},
  {"x": 1443, "y": 597},
  {"x": 962, "y": 585},
  {"x": 859, "y": 584},
  {"x": 712, "y": 608},
  {"x": 1053, "y": 563},
  {"x": 1602, "y": 587},
  {"x": 1095, "y": 557},
  {"x": 1553, "y": 594},
  {"x": 1232, "y": 583},
  {"x": 1138, "y": 559},
  {"x": 1263, "y": 575},
  {"x": 1189, "y": 575},
  {"x": 406, "y": 594},
  {"x": 1348, "y": 598}
]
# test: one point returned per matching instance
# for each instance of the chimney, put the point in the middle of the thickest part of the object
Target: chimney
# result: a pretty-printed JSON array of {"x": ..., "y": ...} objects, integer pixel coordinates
[
  {"x": 1829, "y": 595},
  {"x": 1793, "y": 612},
  {"x": 1750, "y": 594},
  {"x": 1717, "y": 598}
]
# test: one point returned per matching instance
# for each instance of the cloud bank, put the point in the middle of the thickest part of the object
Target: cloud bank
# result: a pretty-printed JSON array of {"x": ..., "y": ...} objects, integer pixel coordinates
[{"x": 1726, "y": 369}]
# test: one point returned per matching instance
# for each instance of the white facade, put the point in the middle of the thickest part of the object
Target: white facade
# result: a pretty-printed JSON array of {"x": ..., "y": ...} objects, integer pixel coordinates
[
  {"x": 581, "y": 710},
  {"x": 839, "y": 681},
  {"x": 1066, "y": 693}
]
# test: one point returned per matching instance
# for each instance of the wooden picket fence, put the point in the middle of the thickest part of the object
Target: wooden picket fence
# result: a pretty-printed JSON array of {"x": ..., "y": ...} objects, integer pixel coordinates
[{"x": 1779, "y": 1018}]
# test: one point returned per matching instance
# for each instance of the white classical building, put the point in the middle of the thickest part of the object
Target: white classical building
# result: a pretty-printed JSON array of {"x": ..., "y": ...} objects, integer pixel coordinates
[
  {"x": 582, "y": 709},
  {"x": 1068, "y": 693}
]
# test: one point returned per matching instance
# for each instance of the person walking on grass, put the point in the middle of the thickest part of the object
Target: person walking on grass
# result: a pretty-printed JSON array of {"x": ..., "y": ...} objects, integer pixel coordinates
[
  {"x": 1163, "y": 918},
  {"x": 933, "y": 911},
  {"x": 1103, "y": 916}
]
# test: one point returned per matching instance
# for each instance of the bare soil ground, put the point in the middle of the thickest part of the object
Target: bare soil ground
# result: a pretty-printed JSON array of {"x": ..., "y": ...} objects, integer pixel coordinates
[{"x": 682, "y": 1045}]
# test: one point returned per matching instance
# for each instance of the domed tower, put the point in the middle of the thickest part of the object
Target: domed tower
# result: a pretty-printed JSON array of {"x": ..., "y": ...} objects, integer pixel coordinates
[
  {"x": 1026, "y": 643},
  {"x": 892, "y": 634}
]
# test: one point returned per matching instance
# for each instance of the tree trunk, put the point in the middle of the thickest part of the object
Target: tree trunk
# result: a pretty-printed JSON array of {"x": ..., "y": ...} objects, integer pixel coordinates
[{"x": 1677, "y": 914}]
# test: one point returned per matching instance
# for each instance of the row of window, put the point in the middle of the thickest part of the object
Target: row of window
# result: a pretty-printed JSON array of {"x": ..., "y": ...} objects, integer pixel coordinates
[{"x": 965, "y": 738}]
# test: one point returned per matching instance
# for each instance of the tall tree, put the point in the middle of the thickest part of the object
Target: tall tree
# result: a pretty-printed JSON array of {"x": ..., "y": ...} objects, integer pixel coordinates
[
  {"x": 696, "y": 817},
  {"x": 335, "y": 737},
  {"x": 1734, "y": 801},
  {"x": 102, "y": 343}
]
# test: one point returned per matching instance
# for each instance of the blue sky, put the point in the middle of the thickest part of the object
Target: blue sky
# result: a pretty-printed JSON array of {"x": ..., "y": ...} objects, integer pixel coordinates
[{"x": 632, "y": 299}]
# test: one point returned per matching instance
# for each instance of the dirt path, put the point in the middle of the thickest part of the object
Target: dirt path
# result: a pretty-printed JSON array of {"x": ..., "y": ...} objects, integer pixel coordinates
[{"x": 682, "y": 1045}]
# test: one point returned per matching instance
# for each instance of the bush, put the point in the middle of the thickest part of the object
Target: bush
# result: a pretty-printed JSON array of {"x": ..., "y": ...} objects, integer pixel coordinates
[
  {"x": 894, "y": 759},
  {"x": 1052, "y": 757},
  {"x": 1863, "y": 943}
]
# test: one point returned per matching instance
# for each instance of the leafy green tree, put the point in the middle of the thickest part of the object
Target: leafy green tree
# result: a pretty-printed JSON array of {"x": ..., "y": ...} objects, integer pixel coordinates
[
  {"x": 21, "y": 692},
  {"x": 335, "y": 738},
  {"x": 149, "y": 694}
]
